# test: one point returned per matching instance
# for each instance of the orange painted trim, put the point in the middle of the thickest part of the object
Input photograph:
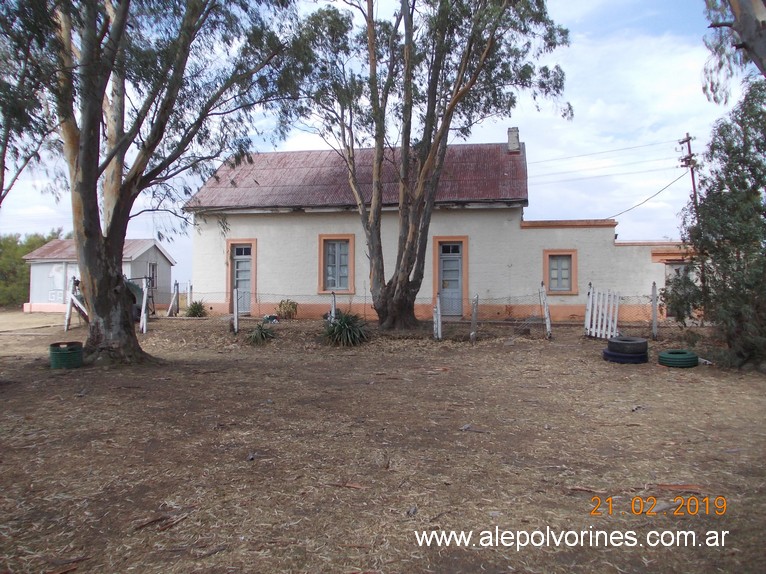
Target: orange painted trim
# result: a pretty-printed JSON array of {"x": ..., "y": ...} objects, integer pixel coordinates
[
  {"x": 563, "y": 223},
  {"x": 677, "y": 255},
  {"x": 230, "y": 243},
  {"x": 573, "y": 271},
  {"x": 351, "y": 263},
  {"x": 436, "y": 242}
]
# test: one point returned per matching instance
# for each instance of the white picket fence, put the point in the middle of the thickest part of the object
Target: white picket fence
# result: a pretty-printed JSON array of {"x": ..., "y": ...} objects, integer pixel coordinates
[{"x": 601, "y": 311}]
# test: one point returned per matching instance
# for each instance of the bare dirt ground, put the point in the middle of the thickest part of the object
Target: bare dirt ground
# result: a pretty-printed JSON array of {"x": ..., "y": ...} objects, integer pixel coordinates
[{"x": 299, "y": 457}]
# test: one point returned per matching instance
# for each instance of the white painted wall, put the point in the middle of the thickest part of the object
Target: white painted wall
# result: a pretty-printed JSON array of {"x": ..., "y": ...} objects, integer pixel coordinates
[
  {"x": 50, "y": 281},
  {"x": 504, "y": 259}
]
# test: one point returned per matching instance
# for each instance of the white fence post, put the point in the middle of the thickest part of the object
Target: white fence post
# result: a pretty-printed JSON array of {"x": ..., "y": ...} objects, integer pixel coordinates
[
  {"x": 235, "y": 308},
  {"x": 144, "y": 301},
  {"x": 333, "y": 308},
  {"x": 69, "y": 303},
  {"x": 189, "y": 293},
  {"x": 588, "y": 309},
  {"x": 474, "y": 318},
  {"x": 546, "y": 310},
  {"x": 654, "y": 310},
  {"x": 438, "y": 318},
  {"x": 173, "y": 307}
]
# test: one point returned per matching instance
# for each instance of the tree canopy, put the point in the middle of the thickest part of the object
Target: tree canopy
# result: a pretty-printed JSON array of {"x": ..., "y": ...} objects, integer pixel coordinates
[
  {"x": 147, "y": 93},
  {"x": 26, "y": 121},
  {"x": 406, "y": 86}
]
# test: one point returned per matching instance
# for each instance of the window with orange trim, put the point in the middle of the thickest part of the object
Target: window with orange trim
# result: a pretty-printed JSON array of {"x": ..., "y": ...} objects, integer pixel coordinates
[
  {"x": 560, "y": 271},
  {"x": 336, "y": 263}
]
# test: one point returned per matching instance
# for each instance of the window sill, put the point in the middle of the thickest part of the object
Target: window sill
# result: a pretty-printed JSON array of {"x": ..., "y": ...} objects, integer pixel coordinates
[
  {"x": 337, "y": 292},
  {"x": 568, "y": 293}
]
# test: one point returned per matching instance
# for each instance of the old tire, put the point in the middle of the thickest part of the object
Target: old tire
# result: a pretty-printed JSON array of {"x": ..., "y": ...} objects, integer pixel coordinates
[
  {"x": 625, "y": 358},
  {"x": 679, "y": 358},
  {"x": 628, "y": 345}
]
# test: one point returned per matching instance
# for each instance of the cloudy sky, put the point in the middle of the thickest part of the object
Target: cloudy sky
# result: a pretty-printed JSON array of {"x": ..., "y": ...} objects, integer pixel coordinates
[{"x": 634, "y": 77}]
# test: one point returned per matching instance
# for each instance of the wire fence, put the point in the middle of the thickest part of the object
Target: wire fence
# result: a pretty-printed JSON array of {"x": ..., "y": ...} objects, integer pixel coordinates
[{"x": 527, "y": 315}]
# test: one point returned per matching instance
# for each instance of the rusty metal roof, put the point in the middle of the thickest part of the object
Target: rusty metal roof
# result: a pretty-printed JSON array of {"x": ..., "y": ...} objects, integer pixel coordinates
[
  {"x": 64, "y": 250},
  {"x": 314, "y": 179}
]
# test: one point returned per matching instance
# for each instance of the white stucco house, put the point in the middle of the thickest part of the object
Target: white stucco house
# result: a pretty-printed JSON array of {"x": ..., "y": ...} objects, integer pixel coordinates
[
  {"x": 286, "y": 226},
  {"x": 52, "y": 266}
]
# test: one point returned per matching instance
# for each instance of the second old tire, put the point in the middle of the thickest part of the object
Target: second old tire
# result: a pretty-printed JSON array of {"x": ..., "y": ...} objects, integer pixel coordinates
[
  {"x": 628, "y": 345},
  {"x": 679, "y": 358},
  {"x": 625, "y": 358}
]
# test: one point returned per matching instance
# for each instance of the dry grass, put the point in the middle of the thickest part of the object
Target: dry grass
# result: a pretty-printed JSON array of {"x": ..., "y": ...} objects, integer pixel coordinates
[{"x": 298, "y": 457}]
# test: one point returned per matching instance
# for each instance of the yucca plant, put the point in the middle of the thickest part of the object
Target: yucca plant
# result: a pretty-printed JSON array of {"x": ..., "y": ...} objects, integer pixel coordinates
[
  {"x": 260, "y": 334},
  {"x": 196, "y": 309},
  {"x": 347, "y": 330}
]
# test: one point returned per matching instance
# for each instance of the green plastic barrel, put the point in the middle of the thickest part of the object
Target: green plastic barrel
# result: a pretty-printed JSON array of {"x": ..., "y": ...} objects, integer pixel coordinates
[{"x": 66, "y": 355}]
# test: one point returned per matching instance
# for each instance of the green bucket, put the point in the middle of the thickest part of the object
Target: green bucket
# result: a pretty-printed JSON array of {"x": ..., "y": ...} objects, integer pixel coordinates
[{"x": 67, "y": 355}]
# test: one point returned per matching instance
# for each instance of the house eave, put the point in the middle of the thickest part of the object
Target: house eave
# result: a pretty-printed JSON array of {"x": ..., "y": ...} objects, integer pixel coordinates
[{"x": 444, "y": 205}]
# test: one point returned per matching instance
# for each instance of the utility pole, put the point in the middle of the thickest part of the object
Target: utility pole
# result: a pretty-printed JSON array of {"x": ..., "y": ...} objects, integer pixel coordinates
[{"x": 689, "y": 161}]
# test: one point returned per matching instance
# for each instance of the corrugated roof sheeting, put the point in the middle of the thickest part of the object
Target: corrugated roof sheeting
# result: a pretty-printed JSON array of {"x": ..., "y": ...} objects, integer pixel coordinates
[
  {"x": 64, "y": 250},
  {"x": 471, "y": 173}
]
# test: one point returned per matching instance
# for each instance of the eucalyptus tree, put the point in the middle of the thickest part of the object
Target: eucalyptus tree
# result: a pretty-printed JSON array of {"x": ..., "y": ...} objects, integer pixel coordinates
[
  {"x": 406, "y": 85},
  {"x": 26, "y": 121},
  {"x": 738, "y": 37},
  {"x": 148, "y": 91},
  {"x": 727, "y": 231}
]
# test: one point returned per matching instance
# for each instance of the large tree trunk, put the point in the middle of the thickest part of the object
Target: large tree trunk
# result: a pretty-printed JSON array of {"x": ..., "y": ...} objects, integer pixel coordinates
[
  {"x": 111, "y": 332},
  {"x": 396, "y": 307},
  {"x": 111, "y": 327}
]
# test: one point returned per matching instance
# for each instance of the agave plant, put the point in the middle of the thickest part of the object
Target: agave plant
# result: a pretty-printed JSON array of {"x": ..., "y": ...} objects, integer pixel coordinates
[
  {"x": 260, "y": 334},
  {"x": 347, "y": 330}
]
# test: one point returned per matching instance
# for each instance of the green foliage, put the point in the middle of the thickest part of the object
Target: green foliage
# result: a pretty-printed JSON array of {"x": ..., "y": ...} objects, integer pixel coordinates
[
  {"x": 681, "y": 296},
  {"x": 727, "y": 231},
  {"x": 14, "y": 271},
  {"x": 260, "y": 334},
  {"x": 196, "y": 309},
  {"x": 348, "y": 330},
  {"x": 26, "y": 36},
  {"x": 287, "y": 309}
]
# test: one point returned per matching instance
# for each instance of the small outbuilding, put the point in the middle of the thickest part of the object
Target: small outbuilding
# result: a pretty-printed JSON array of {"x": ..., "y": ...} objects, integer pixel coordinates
[{"x": 52, "y": 266}]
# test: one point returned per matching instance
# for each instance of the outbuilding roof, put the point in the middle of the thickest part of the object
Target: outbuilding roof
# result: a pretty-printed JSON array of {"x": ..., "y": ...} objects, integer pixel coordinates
[
  {"x": 472, "y": 173},
  {"x": 64, "y": 250}
]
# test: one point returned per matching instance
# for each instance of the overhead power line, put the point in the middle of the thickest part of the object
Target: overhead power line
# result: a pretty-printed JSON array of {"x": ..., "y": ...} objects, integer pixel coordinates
[
  {"x": 650, "y": 197},
  {"x": 599, "y": 167},
  {"x": 605, "y": 175},
  {"x": 601, "y": 152}
]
